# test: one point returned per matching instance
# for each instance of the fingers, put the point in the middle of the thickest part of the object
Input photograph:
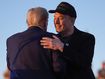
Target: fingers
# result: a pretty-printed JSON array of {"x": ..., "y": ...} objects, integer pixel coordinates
[
  {"x": 50, "y": 43},
  {"x": 48, "y": 46},
  {"x": 46, "y": 39},
  {"x": 46, "y": 42}
]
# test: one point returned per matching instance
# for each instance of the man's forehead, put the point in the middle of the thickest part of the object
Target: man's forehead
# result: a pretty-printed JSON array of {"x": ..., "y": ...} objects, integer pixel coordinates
[
  {"x": 58, "y": 14},
  {"x": 61, "y": 15}
]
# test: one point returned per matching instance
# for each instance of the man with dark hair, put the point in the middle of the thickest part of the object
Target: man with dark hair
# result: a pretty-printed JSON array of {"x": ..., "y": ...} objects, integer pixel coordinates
[{"x": 74, "y": 49}]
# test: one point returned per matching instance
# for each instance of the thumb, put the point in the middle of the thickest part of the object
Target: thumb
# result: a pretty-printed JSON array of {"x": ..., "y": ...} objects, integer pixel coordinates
[{"x": 55, "y": 37}]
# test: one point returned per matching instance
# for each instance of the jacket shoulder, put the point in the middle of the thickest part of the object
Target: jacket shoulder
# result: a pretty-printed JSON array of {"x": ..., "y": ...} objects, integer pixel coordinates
[
  {"x": 48, "y": 34},
  {"x": 14, "y": 36},
  {"x": 86, "y": 35}
]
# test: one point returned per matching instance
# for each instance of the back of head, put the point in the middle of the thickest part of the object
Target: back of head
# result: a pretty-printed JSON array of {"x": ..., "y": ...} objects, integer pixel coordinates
[{"x": 37, "y": 17}]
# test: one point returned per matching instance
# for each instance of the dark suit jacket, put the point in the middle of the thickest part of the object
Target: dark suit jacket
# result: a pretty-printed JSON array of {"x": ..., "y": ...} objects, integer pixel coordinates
[
  {"x": 77, "y": 55},
  {"x": 26, "y": 58}
]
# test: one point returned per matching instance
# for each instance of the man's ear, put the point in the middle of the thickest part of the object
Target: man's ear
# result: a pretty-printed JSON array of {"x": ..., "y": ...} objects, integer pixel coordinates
[{"x": 73, "y": 20}]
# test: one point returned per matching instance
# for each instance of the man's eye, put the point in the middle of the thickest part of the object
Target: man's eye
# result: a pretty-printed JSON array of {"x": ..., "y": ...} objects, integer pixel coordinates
[{"x": 61, "y": 18}]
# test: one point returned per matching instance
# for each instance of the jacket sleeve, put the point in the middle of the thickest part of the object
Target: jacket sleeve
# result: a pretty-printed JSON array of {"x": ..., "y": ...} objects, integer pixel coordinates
[{"x": 81, "y": 56}]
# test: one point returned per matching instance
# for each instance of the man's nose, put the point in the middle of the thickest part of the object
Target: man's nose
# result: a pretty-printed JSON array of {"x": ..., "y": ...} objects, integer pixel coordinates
[{"x": 57, "y": 21}]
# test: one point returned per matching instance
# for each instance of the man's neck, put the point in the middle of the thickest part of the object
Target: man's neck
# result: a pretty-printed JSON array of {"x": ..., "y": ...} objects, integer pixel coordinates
[
  {"x": 41, "y": 27},
  {"x": 68, "y": 33}
]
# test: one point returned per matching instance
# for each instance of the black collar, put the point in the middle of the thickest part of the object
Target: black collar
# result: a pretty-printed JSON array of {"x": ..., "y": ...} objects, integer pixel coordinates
[{"x": 74, "y": 33}]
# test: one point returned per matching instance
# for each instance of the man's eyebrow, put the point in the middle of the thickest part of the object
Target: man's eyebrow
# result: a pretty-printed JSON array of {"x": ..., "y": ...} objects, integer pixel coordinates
[{"x": 59, "y": 16}]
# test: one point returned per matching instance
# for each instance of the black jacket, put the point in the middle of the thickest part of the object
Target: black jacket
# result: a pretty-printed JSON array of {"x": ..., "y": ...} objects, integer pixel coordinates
[
  {"x": 77, "y": 55},
  {"x": 26, "y": 58}
]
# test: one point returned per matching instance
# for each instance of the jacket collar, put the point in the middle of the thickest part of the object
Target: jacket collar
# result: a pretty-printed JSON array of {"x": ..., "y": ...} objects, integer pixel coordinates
[{"x": 74, "y": 33}]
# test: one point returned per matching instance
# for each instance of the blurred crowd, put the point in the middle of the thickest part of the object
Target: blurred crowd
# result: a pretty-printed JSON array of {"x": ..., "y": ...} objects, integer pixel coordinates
[
  {"x": 101, "y": 72},
  {"x": 6, "y": 74}
]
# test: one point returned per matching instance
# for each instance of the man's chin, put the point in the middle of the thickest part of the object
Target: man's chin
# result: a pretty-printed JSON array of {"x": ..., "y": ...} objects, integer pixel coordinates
[{"x": 57, "y": 31}]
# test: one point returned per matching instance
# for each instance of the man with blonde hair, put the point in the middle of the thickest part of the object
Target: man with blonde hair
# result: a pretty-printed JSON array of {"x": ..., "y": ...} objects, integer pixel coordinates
[
  {"x": 26, "y": 58},
  {"x": 37, "y": 17}
]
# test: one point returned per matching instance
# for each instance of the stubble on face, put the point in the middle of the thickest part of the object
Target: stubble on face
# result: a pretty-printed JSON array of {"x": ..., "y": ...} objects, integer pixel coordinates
[
  {"x": 59, "y": 22},
  {"x": 63, "y": 24}
]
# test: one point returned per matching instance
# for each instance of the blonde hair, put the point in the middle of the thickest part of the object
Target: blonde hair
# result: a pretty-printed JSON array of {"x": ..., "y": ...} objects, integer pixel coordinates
[{"x": 35, "y": 16}]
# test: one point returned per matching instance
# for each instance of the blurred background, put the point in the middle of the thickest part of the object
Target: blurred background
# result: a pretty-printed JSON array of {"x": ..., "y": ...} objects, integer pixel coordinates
[{"x": 90, "y": 18}]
